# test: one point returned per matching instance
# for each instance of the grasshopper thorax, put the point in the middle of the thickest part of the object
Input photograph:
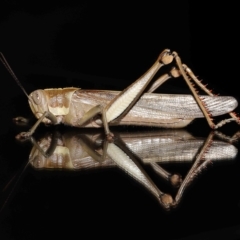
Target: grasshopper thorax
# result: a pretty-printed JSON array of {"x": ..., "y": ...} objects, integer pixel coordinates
[{"x": 57, "y": 101}]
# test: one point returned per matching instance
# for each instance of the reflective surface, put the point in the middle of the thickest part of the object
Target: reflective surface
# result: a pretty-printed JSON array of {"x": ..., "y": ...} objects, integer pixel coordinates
[
  {"x": 67, "y": 44},
  {"x": 131, "y": 152},
  {"x": 132, "y": 182}
]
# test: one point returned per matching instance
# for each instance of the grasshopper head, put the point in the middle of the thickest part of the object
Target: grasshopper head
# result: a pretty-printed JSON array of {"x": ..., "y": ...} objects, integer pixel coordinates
[
  {"x": 56, "y": 101},
  {"x": 39, "y": 104}
]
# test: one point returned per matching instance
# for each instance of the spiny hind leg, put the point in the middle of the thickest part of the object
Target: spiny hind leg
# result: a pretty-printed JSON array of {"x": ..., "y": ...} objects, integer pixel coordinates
[
  {"x": 184, "y": 71},
  {"x": 188, "y": 75},
  {"x": 124, "y": 101},
  {"x": 174, "y": 179},
  {"x": 199, "y": 164},
  {"x": 118, "y": 107},
  {"x": 174, "y": 73},
  {"x": 209, "y": 92}
]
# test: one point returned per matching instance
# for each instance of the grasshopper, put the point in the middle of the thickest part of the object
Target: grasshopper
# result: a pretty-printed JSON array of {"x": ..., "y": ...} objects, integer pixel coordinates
[{"x": 135, "y": 105}]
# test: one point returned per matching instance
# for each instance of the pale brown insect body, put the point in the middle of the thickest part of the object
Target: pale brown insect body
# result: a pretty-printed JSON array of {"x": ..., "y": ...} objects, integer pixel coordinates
[
  {"x": 158, "y": 110},
  {"x": 133, "y": 105}
]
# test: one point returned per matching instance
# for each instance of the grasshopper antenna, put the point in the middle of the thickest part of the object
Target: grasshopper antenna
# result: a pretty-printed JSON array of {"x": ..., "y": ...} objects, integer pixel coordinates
[{"x": 7, "y": 66}]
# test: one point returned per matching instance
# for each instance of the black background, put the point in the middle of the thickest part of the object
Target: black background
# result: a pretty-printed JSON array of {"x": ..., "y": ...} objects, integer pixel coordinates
[{"x": 101, "y": 45}]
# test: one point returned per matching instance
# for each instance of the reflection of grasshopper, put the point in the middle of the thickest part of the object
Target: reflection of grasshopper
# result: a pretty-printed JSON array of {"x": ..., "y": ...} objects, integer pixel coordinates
[
  {"x": 75, "y": 151},
  {"x": 95, "y": 108}
]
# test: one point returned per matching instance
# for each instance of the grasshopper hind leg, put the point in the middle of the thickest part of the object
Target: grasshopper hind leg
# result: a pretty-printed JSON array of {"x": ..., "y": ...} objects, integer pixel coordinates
[
  {"x": 233, "y": 115},
  {"x": 188, "y": 75},
  {"x": 118, "y": 107},
  {"x": 184, "y": 71}
]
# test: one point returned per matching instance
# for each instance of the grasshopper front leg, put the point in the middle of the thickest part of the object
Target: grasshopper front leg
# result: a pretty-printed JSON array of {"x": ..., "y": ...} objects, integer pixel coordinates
[
  {"x": 28, "y": 134},
  {"x": 99, "y": 109}
]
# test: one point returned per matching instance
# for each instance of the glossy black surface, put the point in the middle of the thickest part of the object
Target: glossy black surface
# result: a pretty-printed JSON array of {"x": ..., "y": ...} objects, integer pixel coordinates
[{"x": 88, "y": 45}]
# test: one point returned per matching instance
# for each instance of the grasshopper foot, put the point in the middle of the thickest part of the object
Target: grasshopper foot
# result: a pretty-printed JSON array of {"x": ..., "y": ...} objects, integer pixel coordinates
[
  {"x": 23, "y": 136},
  {"x": 21, "y": 121}
]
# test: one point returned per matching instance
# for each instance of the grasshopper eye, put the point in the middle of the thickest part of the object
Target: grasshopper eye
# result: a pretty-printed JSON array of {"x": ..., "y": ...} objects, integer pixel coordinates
[{"x": 37, "y": 98}]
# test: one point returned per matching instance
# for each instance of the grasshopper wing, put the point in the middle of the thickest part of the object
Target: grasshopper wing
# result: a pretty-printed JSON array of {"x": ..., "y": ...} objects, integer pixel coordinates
[{"x": 160, "y": 110}]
